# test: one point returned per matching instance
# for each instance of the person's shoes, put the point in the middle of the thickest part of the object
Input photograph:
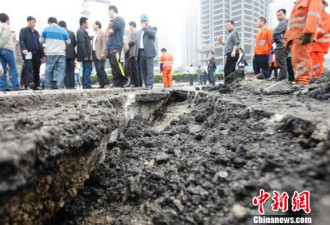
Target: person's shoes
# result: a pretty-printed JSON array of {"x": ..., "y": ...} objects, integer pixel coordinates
[
  {"x": 31, "y": 86},
  {"x": 149, "y": 88},
  {"x": 260, "y": 77},
  {"x": 106, "y": 86},
  {"x": 272, "y": 79},
  {"x": 87, "y": 88},
  {"x": 125, "y": 85},
  {"x": 54, "y": 85},
  {"x": 101, "y": 87},
  {"x": 279, "y": 78},
  {"x": 37, "y": 89}
]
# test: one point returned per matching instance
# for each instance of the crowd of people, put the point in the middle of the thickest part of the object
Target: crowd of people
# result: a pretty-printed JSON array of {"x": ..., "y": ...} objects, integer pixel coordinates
[
  {"x": 63, "y": 51},
  {"x": 296, "y": 46}
]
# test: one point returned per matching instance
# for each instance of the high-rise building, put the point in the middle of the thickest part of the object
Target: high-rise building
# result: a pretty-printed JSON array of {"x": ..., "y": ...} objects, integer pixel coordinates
[
  {"x": 191, "y": 34},
  {"x": 215, "y": 13}
]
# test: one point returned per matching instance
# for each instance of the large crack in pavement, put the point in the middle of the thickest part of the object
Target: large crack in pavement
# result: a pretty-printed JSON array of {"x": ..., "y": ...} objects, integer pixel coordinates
[
  {"x": 180, "y": 157},
  {"x": 46, "y": 155},
  {"x": 203, "y": 168}
]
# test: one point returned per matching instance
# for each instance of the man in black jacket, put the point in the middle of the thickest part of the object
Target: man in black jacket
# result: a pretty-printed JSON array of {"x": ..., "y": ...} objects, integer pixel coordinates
[
  {"x": 212, "y": 66},
  {"x": 280, "y": 52},
  {"x": 33, "y": 54},
  {"x": 84, "y": 50},
  {"x": 70, "y": 52}
]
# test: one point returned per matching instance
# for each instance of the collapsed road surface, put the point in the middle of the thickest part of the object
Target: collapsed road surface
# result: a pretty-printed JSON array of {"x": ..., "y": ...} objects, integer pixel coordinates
[{"x": 165, "y": 157}]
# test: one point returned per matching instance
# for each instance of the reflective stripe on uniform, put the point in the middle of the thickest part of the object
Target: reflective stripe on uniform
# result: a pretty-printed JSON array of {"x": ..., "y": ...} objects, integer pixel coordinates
[
  {"x": 319, "y": 29},
  {"x": 316, "y": 66},
  {"x": 322, "y": 40},
  {"x": 262, "y": 43},
  {"x": 316, "y": 14},
  {"x": 297, "y": 25},
  {"x": 315, "y": 72},
  {"x": 303, "y": 63},
  {"x": 295, "y": 19},
  {"x": 301, "y": 72}
]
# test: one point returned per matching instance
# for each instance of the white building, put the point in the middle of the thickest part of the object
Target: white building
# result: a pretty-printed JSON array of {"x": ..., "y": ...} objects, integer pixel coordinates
[
  {"x": 191, "y": 34},
  {"x": 215, "y": 13}
]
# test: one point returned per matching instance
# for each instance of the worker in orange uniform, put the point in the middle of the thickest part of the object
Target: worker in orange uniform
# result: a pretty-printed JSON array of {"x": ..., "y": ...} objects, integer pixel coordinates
[
  {"x": 264, "y": 42},
  {"x": 322, "y": 43},
  {"x": 300, "y": 35},
  {"x": 166, "y": 66}
]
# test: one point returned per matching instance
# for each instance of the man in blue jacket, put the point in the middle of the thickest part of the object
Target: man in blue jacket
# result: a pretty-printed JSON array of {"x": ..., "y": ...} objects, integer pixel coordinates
[
  {"x": 146, "y": 51},
  {"x": 30, "y": 46},
  {"x": 55, "y": 39}
]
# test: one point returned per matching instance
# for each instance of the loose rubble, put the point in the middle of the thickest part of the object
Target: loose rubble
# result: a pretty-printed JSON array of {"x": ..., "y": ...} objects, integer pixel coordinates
[
  {"x": 129, "y": 164},
  {"x": 204, "y": 168}
]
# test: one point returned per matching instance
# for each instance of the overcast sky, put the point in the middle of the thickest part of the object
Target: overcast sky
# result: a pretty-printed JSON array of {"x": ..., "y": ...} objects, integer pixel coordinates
[{"x": 166, "y": 15}]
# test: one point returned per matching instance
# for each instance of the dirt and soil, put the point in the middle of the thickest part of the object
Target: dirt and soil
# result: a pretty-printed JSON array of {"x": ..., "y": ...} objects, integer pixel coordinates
[{"x": 198, "y": 159}]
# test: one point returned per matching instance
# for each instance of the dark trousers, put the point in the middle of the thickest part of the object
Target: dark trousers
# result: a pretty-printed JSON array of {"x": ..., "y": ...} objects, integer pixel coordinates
[
  {"x": 191, "y": 79},
  {"x": 100, "y": 71},
  {"x": 31, "y": 71},
  {"x": 256, "y": 69},
  {"x": 118, "y": 73},
  {"x": 261, "y": 62},
  {"x": 290, "y": 70},
  {"x": 281, "y": 55},
  {"x": 275, "y": 69},
  {"x": 86, "y": 77},
  {"x": 136, "y": 76},
  {"x": 230, "y": 65},
  {"x": 204, "y": 78},
  {"x": 146, "y": 69},
  {"x": 212, "y": 77},
  {"x": 69, "y": 79}
]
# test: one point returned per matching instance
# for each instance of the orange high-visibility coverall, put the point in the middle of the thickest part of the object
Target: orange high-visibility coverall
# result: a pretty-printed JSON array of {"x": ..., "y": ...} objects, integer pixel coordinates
[
  {"x": 264, "y": 42},
  {"x": 321, "y": 46},
  {"x": 304, "y": 20},
  {"x": 167, "y": 60}
]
